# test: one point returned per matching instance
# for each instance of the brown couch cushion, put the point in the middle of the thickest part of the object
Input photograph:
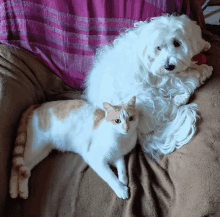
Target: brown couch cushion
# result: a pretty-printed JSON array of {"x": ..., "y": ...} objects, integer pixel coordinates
[{"x": 23, "y": 82}]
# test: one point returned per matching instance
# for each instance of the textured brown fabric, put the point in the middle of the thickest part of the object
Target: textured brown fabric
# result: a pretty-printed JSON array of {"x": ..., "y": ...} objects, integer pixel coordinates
[
  {"x": 195, "y": 168},
  {"x": 23, "y": 82},
  {"x": 185, "y": 183}
]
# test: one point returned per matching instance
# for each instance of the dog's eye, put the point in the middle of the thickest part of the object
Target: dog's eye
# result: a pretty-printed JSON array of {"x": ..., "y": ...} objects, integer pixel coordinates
[
  {"x": 158, "y": 48},
  {"x": 131, "y": 118},
  {"x": 176, "y": 43},
  {"x": 117, "y": 121}
]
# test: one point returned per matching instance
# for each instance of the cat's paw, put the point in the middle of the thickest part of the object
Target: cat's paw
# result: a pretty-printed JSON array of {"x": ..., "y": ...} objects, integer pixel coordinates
[
  {"x": 123, "y": 192},
  {"x": 23, "y": 188},
  {"x": 123, "y": 179},
  {"x": 13, "y": 193},
  {"x": 23, "y": 194}
]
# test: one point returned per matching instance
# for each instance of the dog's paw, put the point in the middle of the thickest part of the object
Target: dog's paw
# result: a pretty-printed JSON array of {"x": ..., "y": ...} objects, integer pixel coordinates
[
  {"x": 181, "y": 99},
  {"x": 207, "y": 46},
  {"x": 206, "y": 73},
  {"x": 122, "y": 192}
]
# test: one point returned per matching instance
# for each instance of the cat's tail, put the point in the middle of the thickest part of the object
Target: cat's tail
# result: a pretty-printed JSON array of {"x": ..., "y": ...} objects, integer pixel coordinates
[
  {"x": 173, "y": 134},
  {"x": 19, "y": 170}
]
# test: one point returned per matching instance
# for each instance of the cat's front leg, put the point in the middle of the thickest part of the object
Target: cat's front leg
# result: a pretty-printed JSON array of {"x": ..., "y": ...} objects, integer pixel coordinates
[
  {"x": 105, "y": 172},
  {"x": 122, "y": 174}
]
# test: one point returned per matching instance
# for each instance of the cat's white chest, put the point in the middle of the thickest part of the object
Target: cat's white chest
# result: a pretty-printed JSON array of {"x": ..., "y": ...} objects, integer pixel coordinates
[
  {"x": 112, "y": 145},
  {"x": 126, "y": 143}
]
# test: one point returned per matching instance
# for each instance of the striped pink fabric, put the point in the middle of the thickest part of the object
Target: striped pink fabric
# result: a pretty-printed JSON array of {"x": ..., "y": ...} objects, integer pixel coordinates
[{"x": 64, "y": 34}]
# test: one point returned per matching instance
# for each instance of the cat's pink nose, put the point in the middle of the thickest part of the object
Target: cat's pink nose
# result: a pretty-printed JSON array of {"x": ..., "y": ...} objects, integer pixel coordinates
[{"x": 126, "y": 128}]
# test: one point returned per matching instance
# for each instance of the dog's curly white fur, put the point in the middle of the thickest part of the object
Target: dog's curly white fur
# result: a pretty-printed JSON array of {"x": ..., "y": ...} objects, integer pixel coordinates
[{"x": 154, "y": 62}]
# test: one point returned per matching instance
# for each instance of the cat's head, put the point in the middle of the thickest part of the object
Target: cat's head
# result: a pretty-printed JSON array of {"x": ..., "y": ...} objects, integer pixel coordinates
[{"x": 124, "y": 117}]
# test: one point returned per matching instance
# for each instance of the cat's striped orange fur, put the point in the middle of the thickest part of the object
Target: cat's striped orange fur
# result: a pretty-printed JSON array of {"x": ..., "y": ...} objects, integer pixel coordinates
[{"x": 19, "y": 170}]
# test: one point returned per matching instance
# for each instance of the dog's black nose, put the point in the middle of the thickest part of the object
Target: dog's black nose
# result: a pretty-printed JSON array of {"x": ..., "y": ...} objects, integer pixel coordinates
[{"x": 169, "y": 67}]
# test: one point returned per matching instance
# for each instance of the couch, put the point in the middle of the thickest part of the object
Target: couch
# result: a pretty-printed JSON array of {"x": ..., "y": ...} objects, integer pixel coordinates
[{"x": 46, "y": 50}]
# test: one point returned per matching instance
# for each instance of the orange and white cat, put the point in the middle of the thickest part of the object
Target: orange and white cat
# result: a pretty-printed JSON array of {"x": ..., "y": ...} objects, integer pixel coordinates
[{"x": 101, "y": 137}]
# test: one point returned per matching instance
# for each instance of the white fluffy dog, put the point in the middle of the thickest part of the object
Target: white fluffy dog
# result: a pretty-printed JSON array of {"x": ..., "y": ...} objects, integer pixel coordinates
[{"x": 154, "y": 62}]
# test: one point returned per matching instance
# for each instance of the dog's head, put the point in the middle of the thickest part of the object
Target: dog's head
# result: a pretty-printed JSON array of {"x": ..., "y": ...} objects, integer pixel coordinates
[{"x": 167, "y": 44}]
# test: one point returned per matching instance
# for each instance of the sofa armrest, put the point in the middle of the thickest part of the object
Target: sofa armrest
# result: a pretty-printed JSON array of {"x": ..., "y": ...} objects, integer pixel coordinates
[{"x": 23, "y": 82}]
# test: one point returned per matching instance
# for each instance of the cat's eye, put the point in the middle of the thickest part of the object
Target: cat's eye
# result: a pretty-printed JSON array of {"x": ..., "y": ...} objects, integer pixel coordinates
[
  {"x": 158, "y": 48},
  {"x": 131, "y": 118},
  {"x": 176, "y": 43},
  {"x": 117, "y": 121}
]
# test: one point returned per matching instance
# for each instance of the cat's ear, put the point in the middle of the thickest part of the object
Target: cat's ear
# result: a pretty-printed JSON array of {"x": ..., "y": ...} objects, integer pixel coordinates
[
  {"x": 107, "y": 106},
  {"x": 132, "y": 101}
]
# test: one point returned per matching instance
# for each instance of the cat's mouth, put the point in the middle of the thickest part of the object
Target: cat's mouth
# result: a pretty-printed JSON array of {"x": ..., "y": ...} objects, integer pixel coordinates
[{"x": 125, "y": 132}]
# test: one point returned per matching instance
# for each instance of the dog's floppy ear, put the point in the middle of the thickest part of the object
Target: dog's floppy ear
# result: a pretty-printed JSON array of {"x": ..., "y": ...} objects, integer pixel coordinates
[
  {"x": 144, "y": 30},
  {"x": 201, "y": 44},
  {"x": 194, "y": 35}
]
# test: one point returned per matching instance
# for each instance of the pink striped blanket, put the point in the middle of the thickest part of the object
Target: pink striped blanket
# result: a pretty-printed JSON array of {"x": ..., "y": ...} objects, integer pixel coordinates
[{"x": 65, "y": 34}]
